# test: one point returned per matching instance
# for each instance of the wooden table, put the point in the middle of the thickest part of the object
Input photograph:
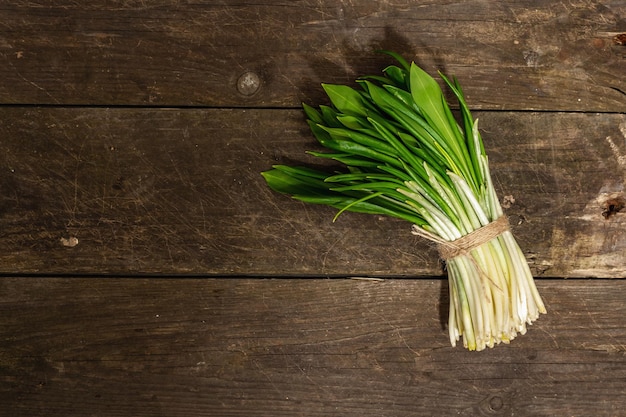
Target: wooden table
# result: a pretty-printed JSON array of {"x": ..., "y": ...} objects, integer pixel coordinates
[{"x": 147, "y": 270}]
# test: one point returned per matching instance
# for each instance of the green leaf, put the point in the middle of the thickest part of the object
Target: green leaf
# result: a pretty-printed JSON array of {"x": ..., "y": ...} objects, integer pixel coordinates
[
  {"x": 329, "y": 116},
  {"x": 428, "y": 96},
  {"x": 346, "y": 99},
  {"x": 368, "y": 186},
  {"x": 379, "y": 78},
  {"x": 347, "y": 159},
  {"x": 371, "y": 142},
  {"x": 353, "y": 122},
  {"x": 356, "y": 203},
  {"x": 322, "y": 136},
  {"x": 290, "y": 180},
  {"x": 362, "y": 150},
  {"x": 474, "y": 146},
  {"x": 398, "y": 140},
  {"x": 400, "y": 148},
  {"x": 340, "y": 202},
  {"x": 363, "y": 176},
  {"x": 403, "y": 95},
  {"x": 397, "y": 75},
  {"x": 312, "y": 114}
]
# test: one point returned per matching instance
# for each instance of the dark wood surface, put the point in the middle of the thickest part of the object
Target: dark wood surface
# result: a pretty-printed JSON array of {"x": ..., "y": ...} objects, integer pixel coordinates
[
  {"x": 315, "y": 347},
  {"x": 147, "y": 270},
  {"x": 517, "y": 55},
  {"x": 180, "y": 347},
  {"x": 179, "y": 191}
]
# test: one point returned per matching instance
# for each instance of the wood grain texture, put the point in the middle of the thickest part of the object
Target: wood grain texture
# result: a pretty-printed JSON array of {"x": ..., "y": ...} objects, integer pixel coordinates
[
  {"x": 549, "y": 55},
  {"x": 179, "y": 191},
  {"x": 181, "y": 347},
  {"x": 132, "y": 135}
]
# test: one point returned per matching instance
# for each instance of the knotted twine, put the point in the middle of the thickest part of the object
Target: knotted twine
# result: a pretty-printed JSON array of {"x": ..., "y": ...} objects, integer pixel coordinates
[{"x": 465, "y": 244}]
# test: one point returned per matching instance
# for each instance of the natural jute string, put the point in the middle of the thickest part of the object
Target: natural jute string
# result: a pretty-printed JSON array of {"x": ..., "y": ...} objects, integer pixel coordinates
[{"x": 465, "y": 244}]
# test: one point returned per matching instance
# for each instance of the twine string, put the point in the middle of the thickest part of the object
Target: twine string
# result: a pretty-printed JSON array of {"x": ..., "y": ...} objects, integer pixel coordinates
[{"x": 465, "y": 244}]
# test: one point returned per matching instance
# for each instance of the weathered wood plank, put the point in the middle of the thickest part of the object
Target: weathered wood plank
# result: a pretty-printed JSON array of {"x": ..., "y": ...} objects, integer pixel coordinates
[
  {"x": 180, "y": 347},
  {"x": 179, "y": 191},
  {"x": 549, "y": 55}
]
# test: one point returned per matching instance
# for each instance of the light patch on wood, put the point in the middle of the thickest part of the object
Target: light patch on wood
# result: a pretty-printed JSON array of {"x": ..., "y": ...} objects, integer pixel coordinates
[
  {"x": 69, "y": 242},
  {"x": 594, "y": 209},
  {"x": 558, "y": 247},
  {"x": 621, "y": 159},
  {"x": 507, "y": 201},
  {"x": 598, "y": 244}
]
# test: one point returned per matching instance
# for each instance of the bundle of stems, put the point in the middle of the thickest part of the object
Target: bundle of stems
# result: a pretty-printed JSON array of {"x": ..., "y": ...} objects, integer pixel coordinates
[{"x": 406, "y": 156}]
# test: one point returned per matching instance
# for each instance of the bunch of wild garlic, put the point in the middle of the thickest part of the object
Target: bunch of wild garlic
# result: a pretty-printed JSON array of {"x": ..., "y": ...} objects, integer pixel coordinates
[{"x": 407, "y": 157}]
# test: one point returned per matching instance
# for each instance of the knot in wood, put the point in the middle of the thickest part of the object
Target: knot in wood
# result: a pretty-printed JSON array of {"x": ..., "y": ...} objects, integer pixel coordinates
[{"x": 248, "y": 83}]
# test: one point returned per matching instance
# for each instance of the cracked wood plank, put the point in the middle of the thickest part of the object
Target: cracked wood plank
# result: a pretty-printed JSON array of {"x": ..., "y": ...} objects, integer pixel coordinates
[
  {"x": 250, "y": 347},
  {"x": 117, "y": 191},
  {"x": 524, "y": 55}
]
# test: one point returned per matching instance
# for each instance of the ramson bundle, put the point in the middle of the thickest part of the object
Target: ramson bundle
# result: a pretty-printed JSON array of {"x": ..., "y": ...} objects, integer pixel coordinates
[{"x": 406, "y": 156}]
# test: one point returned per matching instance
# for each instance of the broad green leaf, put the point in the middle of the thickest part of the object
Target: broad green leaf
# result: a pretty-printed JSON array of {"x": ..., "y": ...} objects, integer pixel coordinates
[
  {"x": 428, "y": 95},
  {"x": 288, "y": 182},
  {"x": 312, "y": 114},
  {"x": 403, "y": 95},
  {"x": 352, "y": 122},
  {"x": 322, "y": 136},
  {"x": 345, "y": 99},
  {"x": 304, "y": 174},
  {"x": 329, "y": 116}
]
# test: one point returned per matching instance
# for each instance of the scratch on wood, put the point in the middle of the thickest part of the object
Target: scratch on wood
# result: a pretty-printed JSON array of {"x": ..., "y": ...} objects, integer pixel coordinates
[
  {"x": 621, "y": 159},
  {"x": 367, "y": 279},
  {"x": 608, "y": 348}
]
